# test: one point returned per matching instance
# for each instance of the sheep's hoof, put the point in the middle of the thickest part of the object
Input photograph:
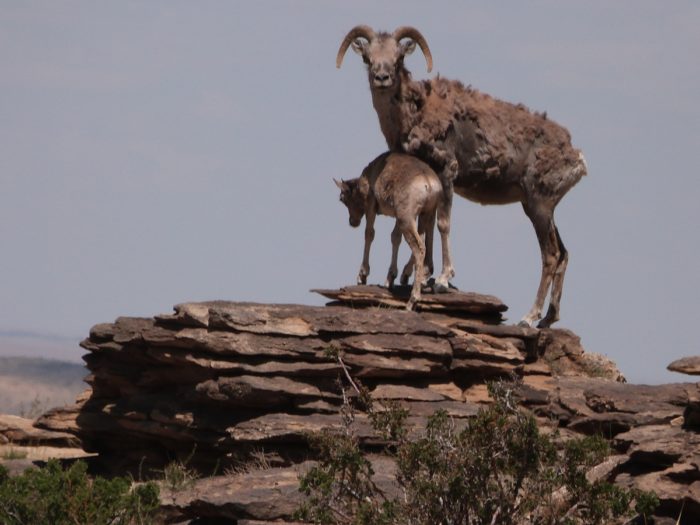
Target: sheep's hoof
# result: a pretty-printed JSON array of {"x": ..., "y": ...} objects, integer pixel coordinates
[
  {"x": 546, "y": 322},
  {"x": 525, "y": 323},
  {"x": 442, "y": 284},
  {"x": 549, "y": 319},
  {"x": 411, "y": 304},
  {"x": 439, "y": 287}
]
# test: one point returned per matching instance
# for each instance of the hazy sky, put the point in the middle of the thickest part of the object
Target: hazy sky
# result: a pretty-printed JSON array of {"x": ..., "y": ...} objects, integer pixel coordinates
[{"x": 167, "y": 151}]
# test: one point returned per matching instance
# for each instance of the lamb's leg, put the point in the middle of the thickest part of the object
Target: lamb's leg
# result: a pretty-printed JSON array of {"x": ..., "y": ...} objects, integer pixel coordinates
[
  {"x": 426, "y": 228},
  {"x": 447, "y": 176},
  {"x": 557, "y": 284},
  {"x": 542, "y": 220},
  {"x": 414, "y": 240},
  {"x": 393, "y": 267},
  {"x": 369, "y": 237}
]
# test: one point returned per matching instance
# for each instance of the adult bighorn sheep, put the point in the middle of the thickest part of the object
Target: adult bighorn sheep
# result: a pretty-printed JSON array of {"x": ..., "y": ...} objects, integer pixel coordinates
[
  {"x": 484, "y": 149},
  {"x": 401, "y": 186}
]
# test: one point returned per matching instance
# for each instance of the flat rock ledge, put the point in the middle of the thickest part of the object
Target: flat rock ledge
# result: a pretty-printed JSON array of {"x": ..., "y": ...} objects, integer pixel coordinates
[
  {"x": 237, "y": 388},
  {"x": 686, "y": 365},
  {"x": 20, "y": 431}
]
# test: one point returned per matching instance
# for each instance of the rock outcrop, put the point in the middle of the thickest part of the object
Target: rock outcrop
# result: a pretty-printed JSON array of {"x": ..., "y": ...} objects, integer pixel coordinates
[
  {"x": 20, "y": 431},
  {"x": 218, "y": 383}
]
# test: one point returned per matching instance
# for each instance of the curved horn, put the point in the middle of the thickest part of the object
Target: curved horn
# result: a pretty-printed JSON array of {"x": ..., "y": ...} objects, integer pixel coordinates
[
  {"x": 356, "y": 32},
  {"x": 414, "y": 34}
]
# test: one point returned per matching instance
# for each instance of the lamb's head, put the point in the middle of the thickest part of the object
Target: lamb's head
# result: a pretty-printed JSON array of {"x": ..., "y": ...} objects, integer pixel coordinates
[
  {"x": 353, "y": 194},
  {"x": 384, "y": 53}
]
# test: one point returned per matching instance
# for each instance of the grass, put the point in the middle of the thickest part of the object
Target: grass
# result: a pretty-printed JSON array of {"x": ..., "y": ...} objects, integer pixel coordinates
[
  {"x": 178, "y": 476},
  {"x": 256, "y": 460}
]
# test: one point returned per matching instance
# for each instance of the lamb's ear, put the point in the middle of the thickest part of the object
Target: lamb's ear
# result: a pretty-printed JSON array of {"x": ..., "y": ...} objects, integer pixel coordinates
[
  {"x": 340, "y": 184},
  {"x": 407, "y": 47},
  {"x": 363, "y": 187}
]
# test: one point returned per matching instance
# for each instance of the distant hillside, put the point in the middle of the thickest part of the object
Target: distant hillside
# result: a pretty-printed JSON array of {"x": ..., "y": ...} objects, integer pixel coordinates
[
  {"x": 34, "y": 344},
  {"x": 29, "y": 386}
]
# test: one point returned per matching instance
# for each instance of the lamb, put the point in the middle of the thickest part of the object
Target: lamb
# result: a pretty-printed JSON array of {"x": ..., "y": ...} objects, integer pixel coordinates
[
  {"x": 483, "y": 149},
  {"x": 404, "y": 187}
]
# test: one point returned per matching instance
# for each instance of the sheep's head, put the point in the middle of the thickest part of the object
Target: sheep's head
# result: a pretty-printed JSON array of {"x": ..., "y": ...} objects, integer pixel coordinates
[
  {"x": 352, "y": 194},
  {"x": 383, "y": 52}
]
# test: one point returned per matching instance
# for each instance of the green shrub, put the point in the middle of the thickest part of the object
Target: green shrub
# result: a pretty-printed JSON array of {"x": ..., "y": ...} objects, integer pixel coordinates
[
  {"x": 54, "y": 496},
  {"x": 495, "y": 469}
]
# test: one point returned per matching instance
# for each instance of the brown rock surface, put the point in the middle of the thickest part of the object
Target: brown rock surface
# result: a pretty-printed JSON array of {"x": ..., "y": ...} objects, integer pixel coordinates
[
  {"x": 686, "y": 365},
  {"x": 21, "y": 431},
  {"x": 215, "y": 381},
  {"x": 453, "y": 301},
  {"x": 258, "y": 497},
  {"x": 270, "y": 494}
]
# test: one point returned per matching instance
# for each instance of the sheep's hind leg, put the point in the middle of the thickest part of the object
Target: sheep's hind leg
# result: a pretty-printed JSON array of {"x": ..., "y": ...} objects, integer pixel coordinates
[
  {"x": 393, "y": 267},
  {"x": 447, "y": 176}
]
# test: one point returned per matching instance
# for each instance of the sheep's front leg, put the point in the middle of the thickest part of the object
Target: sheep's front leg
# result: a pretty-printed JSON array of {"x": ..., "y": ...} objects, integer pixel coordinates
[
  {"x": 393, "y": 267},
  {"x": 552, "y": 256},
  {"x": 370, "y": 215},
  {"x": 407, "y": 271},
  {"x": 444, "y": 212}
]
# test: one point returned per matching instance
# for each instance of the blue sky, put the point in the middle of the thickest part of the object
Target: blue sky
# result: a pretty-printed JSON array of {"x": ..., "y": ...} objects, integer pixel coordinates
[{"x": 161, "y": 152}]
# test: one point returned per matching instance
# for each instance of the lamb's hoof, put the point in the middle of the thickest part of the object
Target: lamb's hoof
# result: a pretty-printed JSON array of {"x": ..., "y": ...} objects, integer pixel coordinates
[
  {"x": 410, "y": 305},
  {"x": 524, "y": 324}
]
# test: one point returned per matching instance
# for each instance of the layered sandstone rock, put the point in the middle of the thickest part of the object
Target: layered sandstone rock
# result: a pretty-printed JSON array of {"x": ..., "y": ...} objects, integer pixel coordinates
[
  {"x": 20, "y": 431},
  {"x": 216, "y": 383}
]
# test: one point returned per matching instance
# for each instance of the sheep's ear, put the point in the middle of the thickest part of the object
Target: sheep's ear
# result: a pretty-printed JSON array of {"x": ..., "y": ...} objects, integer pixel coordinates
[
  {"x": 340, "y": 184},
  {"x": 407, "y": 47},
  {"x": 359, "y": 46}
]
